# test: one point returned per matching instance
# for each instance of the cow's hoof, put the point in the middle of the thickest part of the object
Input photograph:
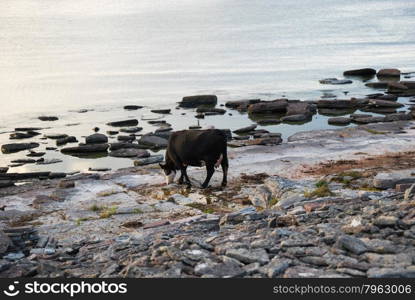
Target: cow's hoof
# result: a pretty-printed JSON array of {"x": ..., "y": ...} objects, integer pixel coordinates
[{"x": 224, "y": 184}]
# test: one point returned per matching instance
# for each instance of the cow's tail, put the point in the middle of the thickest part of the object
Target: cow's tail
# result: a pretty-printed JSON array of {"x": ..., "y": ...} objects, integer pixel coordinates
[{"x": 223, "y": 157}]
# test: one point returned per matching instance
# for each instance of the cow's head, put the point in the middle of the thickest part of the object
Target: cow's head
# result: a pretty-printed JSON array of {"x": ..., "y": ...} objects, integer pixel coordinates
[{"x": 169, "y": 172}]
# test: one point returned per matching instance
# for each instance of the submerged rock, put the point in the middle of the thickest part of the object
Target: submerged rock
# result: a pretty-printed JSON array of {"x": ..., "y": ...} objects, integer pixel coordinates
[{"x": 335, "y": 81}]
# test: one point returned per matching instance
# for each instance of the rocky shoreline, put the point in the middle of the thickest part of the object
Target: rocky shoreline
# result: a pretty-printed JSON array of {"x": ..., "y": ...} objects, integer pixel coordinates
[
  {"x": 329, "y": 218},
  {"x": 324, "y": 203}
]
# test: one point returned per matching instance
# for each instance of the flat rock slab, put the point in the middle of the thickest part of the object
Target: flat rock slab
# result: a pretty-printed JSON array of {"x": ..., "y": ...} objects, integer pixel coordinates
[
  {"x": 335, "y": 81},
  {"x": 10, "y": 148},
  {"x": 130, "y": 152},
  {"x": 132, "y": 122}
]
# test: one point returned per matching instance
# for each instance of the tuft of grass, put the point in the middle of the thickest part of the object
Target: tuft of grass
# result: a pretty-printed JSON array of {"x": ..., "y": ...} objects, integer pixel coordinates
[
  {"x": 202, "y": 207},
  {"x": 372, "y": 131},
  {"x": 322, "y": 190},
  {"x": 96, "y": 208},
  {"x": 108, "y": 212},
  {"x": 321, "y": 183},
  {"x": 273, "y": 201},
  {"x": 137, "y": 211},
  {"x": 353, "y": 174},
  {"x": 107, "y": 193},
  {"x": 80, "y": 220},
  {"x": 369, "y": 189}
]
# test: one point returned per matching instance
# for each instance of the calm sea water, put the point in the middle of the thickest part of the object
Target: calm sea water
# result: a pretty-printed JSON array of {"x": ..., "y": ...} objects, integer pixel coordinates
[{"x": 61, "y": 55}]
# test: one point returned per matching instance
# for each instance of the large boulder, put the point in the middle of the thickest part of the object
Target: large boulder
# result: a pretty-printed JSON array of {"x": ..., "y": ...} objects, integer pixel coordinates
[
  {"x": 96, "y": 138},
  {"x": 130, "y": 152},
  {"x": 360, "y": 72},
  {"x": 153, "y": 141},
  {"x": 389, "y": 73},
  {"x": 10, "y": 148},
  {"x": 195, "y": 101},
  {"x": 124, "y": 123},
  {"x": 276, "y": 106}
]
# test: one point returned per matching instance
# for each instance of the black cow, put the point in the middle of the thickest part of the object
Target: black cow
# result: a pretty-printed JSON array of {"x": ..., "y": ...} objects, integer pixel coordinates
[{"x": 195, "y": 148}]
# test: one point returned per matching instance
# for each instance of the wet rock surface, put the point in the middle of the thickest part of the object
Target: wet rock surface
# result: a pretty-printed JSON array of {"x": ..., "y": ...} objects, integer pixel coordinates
[{"x": 330, "y": 227}]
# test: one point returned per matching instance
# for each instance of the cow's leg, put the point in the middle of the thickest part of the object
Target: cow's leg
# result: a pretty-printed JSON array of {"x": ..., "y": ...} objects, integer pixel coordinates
[
  {"x": 182, "y": 176},
  {"x": 210, "y": 168},
  {"x": 225, "y": 167}
]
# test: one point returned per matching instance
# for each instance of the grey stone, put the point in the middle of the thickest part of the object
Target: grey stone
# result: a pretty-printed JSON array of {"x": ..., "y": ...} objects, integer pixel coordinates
[
  {"x": 249, "y": 256},
  {"x": 277, "y": 266},
  {"x": 130, "y": 152},
  {"x": 10, "y": 148},
  {"x": 5, "y": 242},
  {"x": 195, "y": 101},
  {"x": 352, "y": 244},
  {"x": 153, "y": 141}
]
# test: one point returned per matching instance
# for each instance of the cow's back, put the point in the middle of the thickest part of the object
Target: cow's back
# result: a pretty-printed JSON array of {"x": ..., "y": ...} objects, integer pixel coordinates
[{"x": 192, "y": 145}]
